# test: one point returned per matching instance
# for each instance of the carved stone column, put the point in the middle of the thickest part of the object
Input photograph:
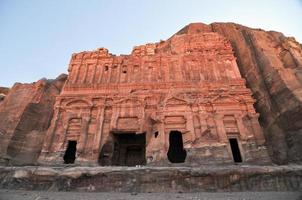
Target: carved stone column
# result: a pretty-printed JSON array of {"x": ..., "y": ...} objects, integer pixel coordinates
[
  {"x": 99, "y": 130},
  {"x": 101, "y": 72},
  {"x": 109, "y": 75},
  {"x": 258, "y": 132},
  {"x": 241, "y": 127},
  {"x": 75, "y": 71},
  {"x": 85, "y": 73},
  {"x": 50, "y": 135},
  {"x": 51, "y": 130},
  {"x": 115, "y": 113},
  {"x": 220, "y": 127},
  {"x": 203, "y": 123},
  {"x": 83, "y": 136},
  {"x": 190, "y": 126},
  {"x": 142, "y": 118},
  {"x": 61, "y": 138}
]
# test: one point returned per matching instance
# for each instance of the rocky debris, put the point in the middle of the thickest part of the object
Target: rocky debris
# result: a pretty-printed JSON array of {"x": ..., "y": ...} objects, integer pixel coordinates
[
  {"x": 154, "y": 179},
  {"x": 25, "y": 115}
]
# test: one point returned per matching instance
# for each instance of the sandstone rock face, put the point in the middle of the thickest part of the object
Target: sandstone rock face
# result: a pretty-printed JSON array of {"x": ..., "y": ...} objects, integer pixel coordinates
[
  {"x": 177, "y": 101},
  {"x": 25, "y": 115},
  {"x": 185, "y": 96},
  {"x": 3, "y": 92},
  {"x": 154, "y": 179},
  {"x": 272, "y": 66}
]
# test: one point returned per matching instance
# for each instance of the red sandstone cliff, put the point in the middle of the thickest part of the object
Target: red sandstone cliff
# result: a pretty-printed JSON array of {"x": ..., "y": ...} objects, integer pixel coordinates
[
  {"x": 270, "y": 62},
  {"x": 272, "y": 65},
  {"x": 25, "y": 115}
]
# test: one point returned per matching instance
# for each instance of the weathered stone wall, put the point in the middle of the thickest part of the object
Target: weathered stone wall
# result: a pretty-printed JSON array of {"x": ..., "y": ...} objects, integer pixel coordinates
[
  {"x": 25, "y": 115},
  {"x": 154, "y": 179},
  {"x": 272, "y": 66},
  {"x": 189, "y": 83},
  {"x": 268, "y": 61}
]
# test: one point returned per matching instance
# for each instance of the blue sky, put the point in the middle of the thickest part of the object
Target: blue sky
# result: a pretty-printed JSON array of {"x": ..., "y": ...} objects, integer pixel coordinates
[{"x": 37, "y": 37}]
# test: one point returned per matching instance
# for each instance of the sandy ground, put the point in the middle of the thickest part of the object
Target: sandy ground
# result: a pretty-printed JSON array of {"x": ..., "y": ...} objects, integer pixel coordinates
[{"x": 43, "y": 195}]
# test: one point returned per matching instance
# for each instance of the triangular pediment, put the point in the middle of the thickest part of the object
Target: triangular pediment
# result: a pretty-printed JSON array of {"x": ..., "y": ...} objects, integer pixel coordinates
[{"x": 176, "y": 101}]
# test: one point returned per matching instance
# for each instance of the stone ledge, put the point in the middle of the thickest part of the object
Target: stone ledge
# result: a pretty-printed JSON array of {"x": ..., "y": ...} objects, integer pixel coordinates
[{"x": 154, "y": 179}]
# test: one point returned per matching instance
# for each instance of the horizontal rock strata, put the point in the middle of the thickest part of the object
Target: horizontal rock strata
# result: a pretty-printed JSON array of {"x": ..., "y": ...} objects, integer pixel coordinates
[{"x": 154, "y": 179}]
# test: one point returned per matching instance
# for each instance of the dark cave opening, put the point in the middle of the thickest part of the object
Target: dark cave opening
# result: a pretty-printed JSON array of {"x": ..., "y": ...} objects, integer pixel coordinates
[
  {"x": 129, "y": 149},
  {"x": 70, "y": 153},
  {"x": 176, "y": 152},
  {"x": 235, "y": 150}
]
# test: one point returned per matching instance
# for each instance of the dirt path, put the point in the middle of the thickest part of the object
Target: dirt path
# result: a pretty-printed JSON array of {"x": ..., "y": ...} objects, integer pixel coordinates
[{"x": 40, "y": 195}]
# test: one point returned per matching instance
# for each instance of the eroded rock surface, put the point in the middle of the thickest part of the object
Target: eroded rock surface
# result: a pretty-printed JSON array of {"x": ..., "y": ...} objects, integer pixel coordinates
[
  {"x": 182, "y": 100},
  {"x": 154, "y": 179},
  {"x": 3, "y": 92},
  {"x": 189, "y": 83},
  {"x": 272, "y": 66},
  {"x": 25, "y": 115}
]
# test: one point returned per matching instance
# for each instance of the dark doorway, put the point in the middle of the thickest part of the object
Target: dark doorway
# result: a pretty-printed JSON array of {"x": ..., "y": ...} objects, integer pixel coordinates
[
  {"x": 235, "y": 150},
  {"x": 129, "y": 149},
  {"x": 70, "y": 152},
  {"x": 176, "y": 152}
]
